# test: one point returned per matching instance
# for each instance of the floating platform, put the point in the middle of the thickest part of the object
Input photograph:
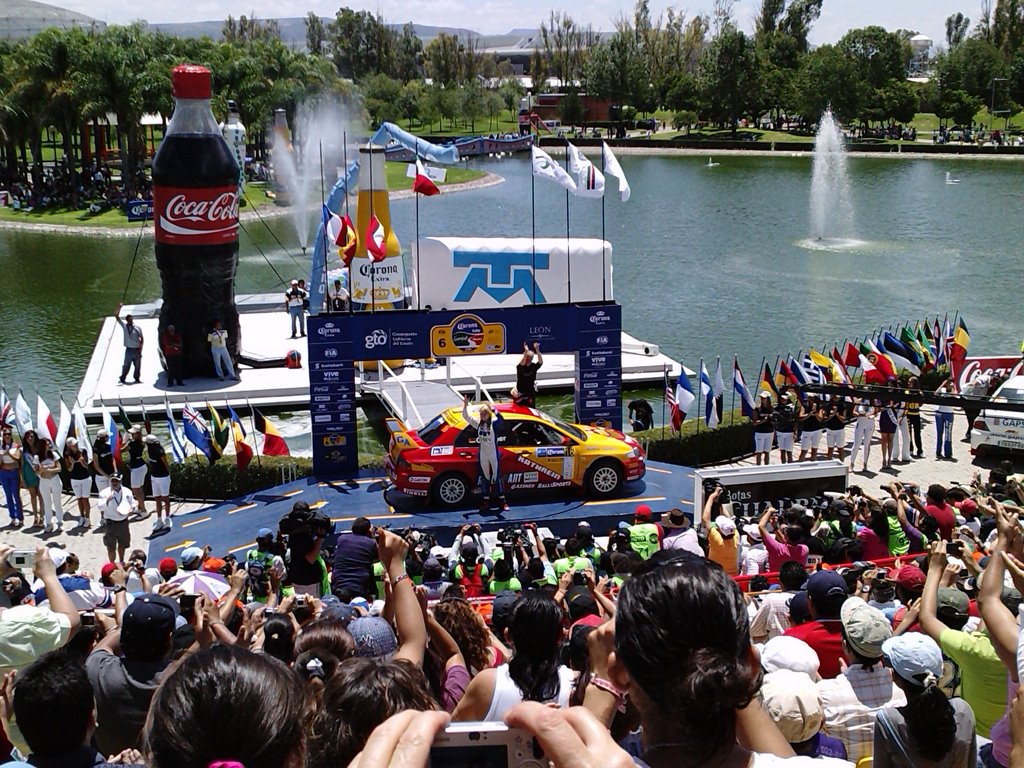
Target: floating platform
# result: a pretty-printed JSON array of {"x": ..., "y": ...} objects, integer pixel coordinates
[
  {"x": 266, "y": 331},
  {"x": 231, "y": 526}
]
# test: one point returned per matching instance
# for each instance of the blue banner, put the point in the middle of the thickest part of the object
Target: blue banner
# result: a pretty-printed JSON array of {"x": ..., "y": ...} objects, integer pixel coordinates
[{"x": 139, "y": 210}]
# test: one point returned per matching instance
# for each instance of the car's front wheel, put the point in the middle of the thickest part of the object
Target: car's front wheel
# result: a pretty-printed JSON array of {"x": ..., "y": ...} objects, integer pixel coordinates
[
  {"x": 450, "y": 489},
  {"x": 603, "y": 479}
]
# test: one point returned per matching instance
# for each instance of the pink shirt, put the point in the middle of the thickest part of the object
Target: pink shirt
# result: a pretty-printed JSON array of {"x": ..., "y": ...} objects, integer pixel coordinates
[
  {"x": 875, "y": 548},
  {"x": 778, "y": 553}
]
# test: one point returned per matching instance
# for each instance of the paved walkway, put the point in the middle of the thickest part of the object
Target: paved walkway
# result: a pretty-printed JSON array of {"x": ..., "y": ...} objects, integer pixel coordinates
[{"x": 88, "y": 544}]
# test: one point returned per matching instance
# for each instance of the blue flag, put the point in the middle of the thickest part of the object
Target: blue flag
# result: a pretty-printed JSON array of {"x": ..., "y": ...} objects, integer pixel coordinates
[{"x": 196, "y": 430}]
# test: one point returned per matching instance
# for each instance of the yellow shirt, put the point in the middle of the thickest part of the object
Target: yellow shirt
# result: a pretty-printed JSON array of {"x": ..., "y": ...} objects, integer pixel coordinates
[{"x": 725, "y": 552}]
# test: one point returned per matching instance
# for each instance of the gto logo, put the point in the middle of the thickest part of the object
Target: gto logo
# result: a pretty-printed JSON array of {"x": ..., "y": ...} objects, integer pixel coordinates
[
  {"x": 376, "y": 339},
  {"x": 222, "y": 208}
]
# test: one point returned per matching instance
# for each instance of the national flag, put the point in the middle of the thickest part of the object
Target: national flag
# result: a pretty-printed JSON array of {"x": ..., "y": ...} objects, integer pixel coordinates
[
  {"x": 243, "y": 453},
  {"x": 747, "y": 406},
  {"x": 6, "y": 410},
  {"x": 924, "y": 339},
  {"x": 22, "y": 414},
  {"x": 871, "y": 374},
  {"x": 613, "y": 169},
  {"x": 546, "y": 168},
  {"x": 814, "y": 373},
  {"x": 376, "y": 240},
  {"x": 940, "y": 344},
  {"x": 63, "y": 425},
  {"x": 901, "y": 355},
  {"x": 707, "y": 393},
  {"x": 675, "y": 417},
  {"x": 423, "y": 184},
  {"x": 122, "y": 414},
  {"x": 273, "y": 443},
  {"x": 81, "y": 430},
  {"x": 115, "y": 436},
  {"x": 909, "y": 338},
  {"x": 177, "y": 439},
  {"x": 961, "y": 340},
  {"x": 719, "y": 390},
  {"x": 768, "y": 381},
  {"x": 785, "y": 376},
  {"x": 684, "y": 397},
  {"x": 347, "y": 240},
  {"x": 947, "y": 339},
  {"x": 219, "y": 432},
  {"x": 822, "y": 363},
  {"x": 589, "y": 180},
  {"x": 879, "y": 362},
  {"x": 45, "y": 425},
  {"x": 196, "y": 430},
  {"x": 146, "y": 423},
  {"x": 839, "y": 373},
  {"x": 851, "y": 356}
]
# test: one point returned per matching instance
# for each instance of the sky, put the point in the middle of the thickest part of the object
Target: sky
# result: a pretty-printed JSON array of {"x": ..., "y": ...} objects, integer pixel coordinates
[{"x": 499, "y": 16}]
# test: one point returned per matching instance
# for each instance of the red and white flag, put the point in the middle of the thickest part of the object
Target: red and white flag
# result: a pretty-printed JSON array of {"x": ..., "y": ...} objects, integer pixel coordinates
[
  {"x": 871, "y": 374},
  {"x": 376, "y": 241},
  {"x": 45, "y": 425},
  {"x": 423, "y": 184}
]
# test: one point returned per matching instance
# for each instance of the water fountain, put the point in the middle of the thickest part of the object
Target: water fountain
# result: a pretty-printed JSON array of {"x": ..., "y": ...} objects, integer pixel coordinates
[
  {"x": 831, "y": 211},
  {"x": 309, "y": 163}
]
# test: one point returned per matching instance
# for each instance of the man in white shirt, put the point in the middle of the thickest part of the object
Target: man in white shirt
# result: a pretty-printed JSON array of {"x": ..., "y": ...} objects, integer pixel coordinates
[
  {"x": 293, "y": 303},
  {"x": 116, "y": 505},
  {"x": 679, "y": 533},
  {"x": 753, "y": 557},
  {"x": 218, "y": 339}
]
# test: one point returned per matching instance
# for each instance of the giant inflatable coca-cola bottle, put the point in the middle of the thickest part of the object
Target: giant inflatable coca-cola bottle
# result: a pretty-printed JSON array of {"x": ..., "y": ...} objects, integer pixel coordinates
[{"x": 195, "y": 205}]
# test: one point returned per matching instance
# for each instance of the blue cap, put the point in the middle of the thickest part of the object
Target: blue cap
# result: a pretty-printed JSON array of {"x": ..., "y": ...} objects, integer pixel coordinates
[
  {"x": 824, "y": 586},
  {"x": 264, "y": 533},
  {"x": 374, "y": 637}
]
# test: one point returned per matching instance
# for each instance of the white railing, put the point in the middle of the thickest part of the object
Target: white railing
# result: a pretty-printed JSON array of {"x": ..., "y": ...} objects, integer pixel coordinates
[
  {"x": 407, "y": 400},
  {"x": 479, "y": 384}
]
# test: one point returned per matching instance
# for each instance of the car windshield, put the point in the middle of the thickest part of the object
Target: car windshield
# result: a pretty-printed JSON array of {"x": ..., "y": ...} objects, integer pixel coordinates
[
  {"x": 433, "y": 430},
  {"x": 1011, "y": 395},
  {"x": 569, "y": 429}
]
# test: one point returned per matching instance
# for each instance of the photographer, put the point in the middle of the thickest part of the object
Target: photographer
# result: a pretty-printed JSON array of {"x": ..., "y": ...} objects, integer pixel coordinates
[
  {"x": 467, "y": 569},
  {"x": 354, "y": 556},
  {"x": 260, "y": 563},
  {"x": 306, "y": 530},
  {"x": 723, "y": 544}
]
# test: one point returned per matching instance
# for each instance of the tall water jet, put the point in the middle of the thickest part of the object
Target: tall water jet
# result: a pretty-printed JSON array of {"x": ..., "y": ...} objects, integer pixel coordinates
[{"x": 831, "y": 211}]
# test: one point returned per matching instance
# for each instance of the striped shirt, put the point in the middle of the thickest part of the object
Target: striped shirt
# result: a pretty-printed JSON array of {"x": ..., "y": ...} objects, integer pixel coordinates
[{"x": 851, "y": 702}]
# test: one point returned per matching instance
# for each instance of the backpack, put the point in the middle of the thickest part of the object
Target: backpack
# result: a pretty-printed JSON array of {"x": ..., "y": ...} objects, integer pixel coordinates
[{"x": 473, "y": 585}]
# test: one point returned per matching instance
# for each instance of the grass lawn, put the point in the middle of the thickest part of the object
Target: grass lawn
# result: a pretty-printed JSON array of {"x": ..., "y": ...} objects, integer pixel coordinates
[
  {"x": 503, "y": 124},
  {"x": 397, "y": 179},
  {"x": 929, "y": 121}
]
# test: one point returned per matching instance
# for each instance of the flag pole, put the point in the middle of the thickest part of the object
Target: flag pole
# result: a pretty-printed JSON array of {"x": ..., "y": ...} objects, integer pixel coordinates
[
  {"x": 568, "y": 239},
  {"x": 664, "y": 399},
  {"x": 373, "y": 271},
  {"x": 700, "y": 391},
  {"x": 322, "y": 279},
  {"x": 346, "y": 264},
  {"x": 255, "y": 440},
  {"x": 735, "y": 367},
  {"x": 416, "y": 195},
  {"x": 604, "y": 240},
  {"x": 533, "y": 228}
]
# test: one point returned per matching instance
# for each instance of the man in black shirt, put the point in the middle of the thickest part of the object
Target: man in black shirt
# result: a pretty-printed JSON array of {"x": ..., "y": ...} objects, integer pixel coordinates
[
  {"x": 306, "y": 569},
  {"x": 526, "y": 375},
  {"x": 641, "y": 415},
  {"x": 354, "y": 556},
  {"x": 160, "y": 478}
]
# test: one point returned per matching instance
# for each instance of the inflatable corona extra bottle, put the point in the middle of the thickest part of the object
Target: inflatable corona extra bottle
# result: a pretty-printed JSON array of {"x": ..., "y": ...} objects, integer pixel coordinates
[
  {"x": 233, "y": 131},
  {"x": 376, "y": 285}
]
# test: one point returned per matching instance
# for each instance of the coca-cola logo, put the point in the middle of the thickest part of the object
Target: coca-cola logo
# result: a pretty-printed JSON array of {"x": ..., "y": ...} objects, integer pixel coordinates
[
  {"x": 199, "y": 215},
  {"x": 223, "y": 208}
]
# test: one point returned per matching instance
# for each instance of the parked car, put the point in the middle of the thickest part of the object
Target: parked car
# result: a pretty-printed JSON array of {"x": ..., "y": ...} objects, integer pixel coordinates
[
  {"x": 536, "y": 452},
  {"x": 1001, "y": 430}
]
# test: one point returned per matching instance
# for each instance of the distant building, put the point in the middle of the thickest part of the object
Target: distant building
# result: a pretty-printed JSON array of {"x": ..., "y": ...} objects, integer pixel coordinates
[
  {"x": 20, "y": 19},
  {"x": 920, "y": 61}
]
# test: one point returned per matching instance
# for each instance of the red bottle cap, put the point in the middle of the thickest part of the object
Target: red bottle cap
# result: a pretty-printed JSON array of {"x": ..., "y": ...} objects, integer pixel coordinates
[{"x": 190, "y": 81}]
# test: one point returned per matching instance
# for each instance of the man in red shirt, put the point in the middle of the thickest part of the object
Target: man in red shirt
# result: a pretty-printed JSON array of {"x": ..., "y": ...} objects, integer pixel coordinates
[
  {"x": 826, "y": 593},
  {"x": 937, "y": 507}
]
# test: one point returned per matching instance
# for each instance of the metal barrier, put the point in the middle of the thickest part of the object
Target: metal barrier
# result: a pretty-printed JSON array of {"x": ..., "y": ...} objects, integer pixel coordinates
[{"x": 479, "y": 383}]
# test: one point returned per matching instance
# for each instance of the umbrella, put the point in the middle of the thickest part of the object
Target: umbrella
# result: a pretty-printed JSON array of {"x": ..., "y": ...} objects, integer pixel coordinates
[{"x": 213, "y": 585}]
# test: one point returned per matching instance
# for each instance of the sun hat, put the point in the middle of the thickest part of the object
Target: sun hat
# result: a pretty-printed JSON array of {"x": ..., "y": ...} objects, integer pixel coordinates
[
  {"x": 913, "y": 656},
  {"x": 791, "y": 700},
  {"x": 791, "y": 654},
  {"x": 865, "y": 628},
  {"x": 675, "y": 518}
]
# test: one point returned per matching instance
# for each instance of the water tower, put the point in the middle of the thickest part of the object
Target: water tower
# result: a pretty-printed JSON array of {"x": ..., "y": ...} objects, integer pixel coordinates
[{"x": 921, "y": 46}]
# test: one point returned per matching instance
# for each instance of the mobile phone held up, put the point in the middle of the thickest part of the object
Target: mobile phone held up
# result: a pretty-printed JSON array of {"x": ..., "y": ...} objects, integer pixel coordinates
[
  {"x": 485, "y": 745},
  {"x": 188, "y": 607}
]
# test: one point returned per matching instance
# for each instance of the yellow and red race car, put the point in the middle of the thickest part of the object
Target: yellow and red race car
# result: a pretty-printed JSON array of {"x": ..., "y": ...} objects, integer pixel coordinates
[{"x": 536, "y": 452}]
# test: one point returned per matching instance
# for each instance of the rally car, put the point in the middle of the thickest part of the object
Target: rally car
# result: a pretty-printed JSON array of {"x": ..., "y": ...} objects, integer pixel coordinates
[
  {"x": 998, "y": 429},
  {"x": 536, "y": 452}
]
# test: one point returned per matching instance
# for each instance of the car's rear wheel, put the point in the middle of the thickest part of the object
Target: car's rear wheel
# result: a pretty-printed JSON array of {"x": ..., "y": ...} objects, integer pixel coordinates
[
  {"x": 603, "y": 479},
  {"x": 451, "y": 489}
]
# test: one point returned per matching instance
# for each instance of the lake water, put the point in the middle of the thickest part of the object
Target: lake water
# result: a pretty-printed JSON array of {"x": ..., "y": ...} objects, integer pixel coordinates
[{"x": 708, "y": 261}]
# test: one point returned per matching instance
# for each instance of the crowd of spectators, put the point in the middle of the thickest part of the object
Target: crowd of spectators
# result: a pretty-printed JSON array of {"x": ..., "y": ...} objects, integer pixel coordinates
[
  {"x": 95, "y": 189},
  {"x": 847, "y": 628}
]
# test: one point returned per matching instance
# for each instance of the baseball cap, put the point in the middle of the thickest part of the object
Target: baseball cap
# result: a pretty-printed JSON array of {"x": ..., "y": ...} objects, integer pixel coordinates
[
  {"x": 152, "y": 615},
  {"x": 752, "y": 531},
  {"x": 583, "y": 524},
  {"x": 213, "y": 564},
  {"x": 501, "y": 608},
  {"x": 433, "y": 567},
  {"x": 151, "y": 439},
  {"x": 191, "y": 554},
  {"x": 952, "y": 601},
  {"x": 865, "y": 628},
  {"x": 791, "y": 700},
  {"x": 295, "y": 282},
  {"x": 107, "y": 569},
  {"x": 969, "y": 506},
  {"x": 642, "y": 512},
  {"x": 469, "y": 551},
  {"x": 338, "y": 611},
  {"x": 59, "y": 556},
  {"x": 102, "y": 433},
  {"x": 581, "y": 603},
  {"x": 790, "y": 654},
  {"x": 824, "y": 586},
  {"x": 910, "y": 578},
  {"x": 913, "y": 656},
  {"x": 264, "y": 533},
  {"x": 799, "y": 612},
  {"x": 167, "y": 567},
  {"x": 135, "y": 429},
  {"x": 765, "y": 393},
  {"x": 725, "y": 525},
  {"x": 374, "y": 637},
  {"x": 841, "y": 508}
]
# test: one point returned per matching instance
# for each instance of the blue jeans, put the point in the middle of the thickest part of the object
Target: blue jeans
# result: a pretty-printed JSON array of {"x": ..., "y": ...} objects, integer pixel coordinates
[
  {"x": 298, "y": 315},
  {"x": 944, "y": 434},
  {"x": 222, "y": 362},
  {"x": 10, "y": 481},
  {"x": 132, "y": 356}
]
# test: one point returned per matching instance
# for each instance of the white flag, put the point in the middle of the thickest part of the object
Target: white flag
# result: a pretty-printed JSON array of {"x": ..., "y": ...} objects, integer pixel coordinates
[
  {"x": 589, "y": 180},
  {"x": 63, "y": 426},
  {"x": 544, "y": 166},
  {"x": 82, "y": 432},
  {"x": 612, "y": 168},
  {"x": 22, "y": 414}
]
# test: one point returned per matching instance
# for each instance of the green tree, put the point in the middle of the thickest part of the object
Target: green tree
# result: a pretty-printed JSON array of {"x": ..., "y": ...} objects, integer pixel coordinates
[
  {"x": 728, "y": 77},
  {"x": 471, "y": 102},
  {"x": 571, "y": 108},
  {"x": 900, "y": 101},
  {"x": 1008, "y": 26},
  {"x": 361, "y": 44},
  {"x": 316, "y": 33},
  {"x": 408, "y": 55},
  {"x": 511, "y": 92},
  {"x": 492, "y": 108},
  {"x": 972, "y": 67},
  {"x": 615, "y": 68},
  {"x": 411, "y": 98},
  {"x": 958, "y": 106},
  {"x": 879, "y": 55},
  {"x": 381, "y": 97},
  {"x": 956, "y": 29},
  {"x": 444, "y": 59},
  {"x": 827, "y": 77}
]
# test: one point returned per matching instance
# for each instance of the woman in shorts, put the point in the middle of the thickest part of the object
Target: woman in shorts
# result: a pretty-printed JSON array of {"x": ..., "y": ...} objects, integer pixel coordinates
[
  {"x": 160, "y": 479},
  {"x": 764, "y": 428},
  {"x": 81, "y": 479},
  {"x": 888, "y": 422},
  {"x": 812, "y": 419},
  {"x": 835, "y": 428}
]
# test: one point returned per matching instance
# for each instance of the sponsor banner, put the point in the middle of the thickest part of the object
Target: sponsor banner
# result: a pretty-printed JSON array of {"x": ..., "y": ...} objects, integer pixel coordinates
[
  {"x": 196, "y": 215},
  {"x": 332, "y": 397},
  {"x": 751, "y": 489},
  {"x": 139, "y": 210},
  {"x": 996, "y": 367},
  {"x": 467, "y": 335},
  {"x": 384, "y": 281},
  {"x": 470, "y": 273}
]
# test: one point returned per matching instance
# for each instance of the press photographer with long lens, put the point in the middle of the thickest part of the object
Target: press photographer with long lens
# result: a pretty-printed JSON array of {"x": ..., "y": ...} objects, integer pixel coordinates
[{"x": 306, "y": 530}]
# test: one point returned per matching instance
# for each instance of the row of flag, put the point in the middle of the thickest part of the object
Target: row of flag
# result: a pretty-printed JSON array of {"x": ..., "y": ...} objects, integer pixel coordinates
[
  {"x": 918, "y": 350},
  {"x": 581, "y": 177},
  {"x": 209, "y": 437}
]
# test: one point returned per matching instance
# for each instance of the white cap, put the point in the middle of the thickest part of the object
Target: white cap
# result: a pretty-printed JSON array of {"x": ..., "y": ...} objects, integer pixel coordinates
[
  {"x": 59, "y": 556},
  {"x": 790, "y": 653},
  {"x": 725, "y": 525}
]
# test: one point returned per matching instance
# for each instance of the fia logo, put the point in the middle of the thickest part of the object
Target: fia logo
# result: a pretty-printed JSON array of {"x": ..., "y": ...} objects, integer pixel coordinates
[{"x": 330, "y": 352}]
